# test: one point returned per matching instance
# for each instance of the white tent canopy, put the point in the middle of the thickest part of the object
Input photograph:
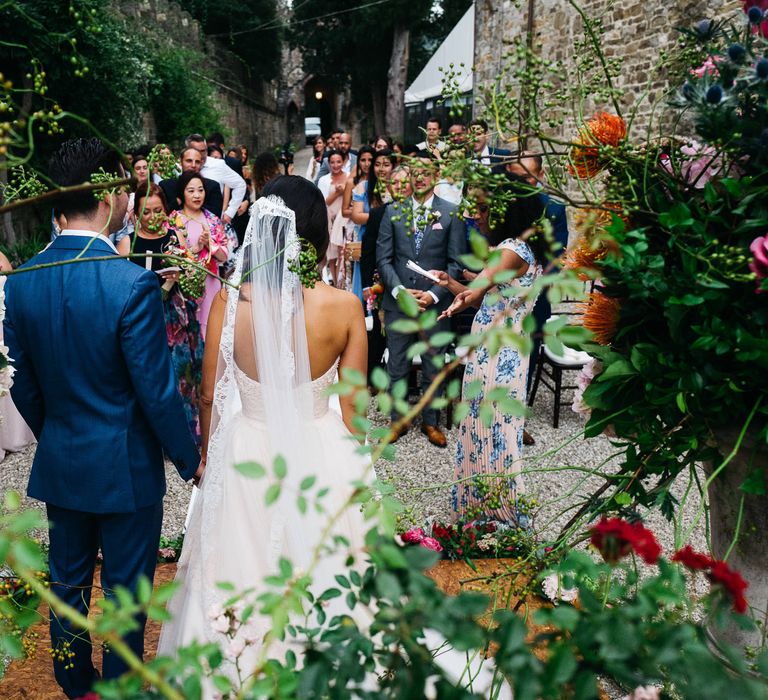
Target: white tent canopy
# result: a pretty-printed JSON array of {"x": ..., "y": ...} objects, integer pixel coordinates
[{"x": 458, "y": 48}]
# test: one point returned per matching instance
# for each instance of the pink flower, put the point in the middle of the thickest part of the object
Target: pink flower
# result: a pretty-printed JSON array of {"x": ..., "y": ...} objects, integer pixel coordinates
[
  {"x": 414, "y": 535},
  {"x": 167, "y": 552},
  {"x": 235, "y": 648},
  {"x": 708, "y": 67},
  {"x": 759, "y": 264},
  {"x": 583, "y": 379},
  {"x": 431, "y": 543},
  {"x": 221, "y": 624},
  {"x": 699, "y": 164},
  {"x": 643, "y": 692}
]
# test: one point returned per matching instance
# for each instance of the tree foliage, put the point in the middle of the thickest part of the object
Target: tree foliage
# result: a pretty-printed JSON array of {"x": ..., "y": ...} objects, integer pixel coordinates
[
  {"x": 251, "y": 29},
  {"x": 352, "y": 45}
]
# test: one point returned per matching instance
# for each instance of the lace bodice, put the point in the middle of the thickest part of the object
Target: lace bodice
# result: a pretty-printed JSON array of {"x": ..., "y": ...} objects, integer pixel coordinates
[{"x": 253, "y": 403}]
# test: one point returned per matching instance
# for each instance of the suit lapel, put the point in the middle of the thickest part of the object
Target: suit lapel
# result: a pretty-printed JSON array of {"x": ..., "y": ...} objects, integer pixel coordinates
[{"x": 436, "y": 207}]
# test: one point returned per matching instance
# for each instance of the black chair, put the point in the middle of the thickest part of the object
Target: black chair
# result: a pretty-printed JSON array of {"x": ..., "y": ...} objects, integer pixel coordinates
[{"x": 550, "y": 368}]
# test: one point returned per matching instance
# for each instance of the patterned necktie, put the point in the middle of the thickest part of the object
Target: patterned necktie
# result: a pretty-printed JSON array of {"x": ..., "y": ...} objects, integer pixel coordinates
[{"x": 420, "y": 225}]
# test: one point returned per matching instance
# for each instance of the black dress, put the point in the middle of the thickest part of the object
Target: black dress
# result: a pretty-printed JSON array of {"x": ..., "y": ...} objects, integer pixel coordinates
[{"x": 141, "y": 245}]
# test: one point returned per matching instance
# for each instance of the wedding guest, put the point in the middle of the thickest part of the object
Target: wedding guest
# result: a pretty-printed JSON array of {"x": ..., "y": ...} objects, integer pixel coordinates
[
  {"x": 482, "y": 152},
  {"x": 215, "y": 152},
  {"x": 182, "y": 327},
  {"x": 318, "y": 152},
  {"x": 428, "y": 231},
  {"x": 382, "y": 143},
  {"x": 265, "y": 168},
  {"x": 192, "y": 162},
  {"x": 351, "y": 233},
  {"x": 369, "y": 213},
  {"x": 163, "y": 150},
  {"x": 202, "y": 233},
  {"x": 530, "y": 167},
  {"x": 332, "y": 188},
  {"x": 348, "y": 158},
  {"x": 233, "y": 161},
  {"x": 432, "y": 142},
  {"x": 218, "y": 170},
  {"x": 489, "y": 458}
]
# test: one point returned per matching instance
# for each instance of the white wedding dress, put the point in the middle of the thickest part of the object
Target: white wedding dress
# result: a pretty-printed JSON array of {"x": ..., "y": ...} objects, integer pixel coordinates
[{"x": 266, "y": 404}]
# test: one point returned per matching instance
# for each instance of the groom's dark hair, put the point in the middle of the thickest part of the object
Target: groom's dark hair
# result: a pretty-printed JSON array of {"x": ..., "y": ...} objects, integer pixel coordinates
[
  {"x": 308, "y": 204},
  {"x": 73, "y": 164}
]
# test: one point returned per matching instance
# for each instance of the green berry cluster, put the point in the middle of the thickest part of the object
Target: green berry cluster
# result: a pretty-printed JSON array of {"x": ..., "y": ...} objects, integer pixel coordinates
[{"x": 306, "y": 265}]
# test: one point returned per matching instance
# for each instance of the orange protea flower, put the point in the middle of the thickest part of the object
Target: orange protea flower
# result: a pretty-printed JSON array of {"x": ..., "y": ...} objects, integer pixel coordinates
[
  {"x": 602, "y": 130},
  {"x": 600, "y": 314}
]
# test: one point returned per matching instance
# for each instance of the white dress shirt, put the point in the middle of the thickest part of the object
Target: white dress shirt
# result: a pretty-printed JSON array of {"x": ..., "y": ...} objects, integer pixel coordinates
[
  {"x": 89, "y": 234},
  {"x": 216, "y": 169},
  {"x": 424, "y": 146}
]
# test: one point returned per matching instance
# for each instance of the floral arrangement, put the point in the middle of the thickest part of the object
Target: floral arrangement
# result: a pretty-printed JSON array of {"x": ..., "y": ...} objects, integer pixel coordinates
[
  {"x": 680, "y": 249},
  {"x": 169, "y": 550},
  {"x": 474, "y": 540}
]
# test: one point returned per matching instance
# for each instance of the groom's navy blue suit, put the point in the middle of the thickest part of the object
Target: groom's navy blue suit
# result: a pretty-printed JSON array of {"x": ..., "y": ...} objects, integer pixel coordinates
[{"x": 95, "y": 383}]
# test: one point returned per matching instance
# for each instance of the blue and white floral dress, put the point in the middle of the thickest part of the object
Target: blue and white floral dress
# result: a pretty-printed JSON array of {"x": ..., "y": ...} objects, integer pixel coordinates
[{"x": 483, "y": 452}]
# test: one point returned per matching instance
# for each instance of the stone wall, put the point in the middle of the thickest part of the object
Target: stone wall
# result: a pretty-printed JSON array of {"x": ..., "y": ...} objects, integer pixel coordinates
[
  {"x": 248, "y": 105},
  {"x": 634, "y": 30}
]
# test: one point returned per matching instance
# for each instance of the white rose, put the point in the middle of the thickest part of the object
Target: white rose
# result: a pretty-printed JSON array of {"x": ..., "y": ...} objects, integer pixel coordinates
[
  {"x": 553, "y": 589},
  {"x": 221, "y": 624}
]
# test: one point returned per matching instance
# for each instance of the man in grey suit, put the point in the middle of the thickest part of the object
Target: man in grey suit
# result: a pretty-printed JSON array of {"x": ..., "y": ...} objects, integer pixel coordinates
[{"x": 428, "y": 231}]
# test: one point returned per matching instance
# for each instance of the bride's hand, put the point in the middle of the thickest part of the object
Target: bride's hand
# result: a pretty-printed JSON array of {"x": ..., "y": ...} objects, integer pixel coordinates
[
  {"x": 458, "y": 305},
  {"x": 199, "y": 473}
]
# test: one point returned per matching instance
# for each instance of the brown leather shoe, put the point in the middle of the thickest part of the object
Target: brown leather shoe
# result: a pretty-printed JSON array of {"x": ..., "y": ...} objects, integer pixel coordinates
[
  {"x": 397, "y": 434},
  {"x": 434, "y": 435},
  {"x": 528, "y": 438}
]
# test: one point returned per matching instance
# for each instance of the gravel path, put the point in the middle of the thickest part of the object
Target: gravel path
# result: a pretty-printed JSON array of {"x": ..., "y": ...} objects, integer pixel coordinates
[{"x": 422, "y": 473}]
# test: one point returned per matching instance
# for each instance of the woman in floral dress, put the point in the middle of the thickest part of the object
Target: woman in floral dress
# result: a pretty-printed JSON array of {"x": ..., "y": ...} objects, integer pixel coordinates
[
  {"x": 489, "y": 455},
  {"x": 182, "y": 329}
]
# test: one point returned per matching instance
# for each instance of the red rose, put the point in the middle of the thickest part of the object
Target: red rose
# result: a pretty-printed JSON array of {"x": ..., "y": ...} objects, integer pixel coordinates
[
  {"x": 615, "y": 538},
  {"x": 413, "y": 536},
  {"x": 721, "y": 574},
  {"x": 692, "y": 559}
]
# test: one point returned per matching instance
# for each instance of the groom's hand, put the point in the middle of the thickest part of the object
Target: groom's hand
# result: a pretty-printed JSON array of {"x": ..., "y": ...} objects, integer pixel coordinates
[{"x": 424, "y": 299}]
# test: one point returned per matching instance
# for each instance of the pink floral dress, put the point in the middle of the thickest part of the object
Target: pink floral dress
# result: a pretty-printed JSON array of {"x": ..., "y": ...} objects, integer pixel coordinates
[{"x": 193, "y": 230}]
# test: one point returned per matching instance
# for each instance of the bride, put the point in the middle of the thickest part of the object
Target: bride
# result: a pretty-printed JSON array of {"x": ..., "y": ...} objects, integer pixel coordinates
[{"x": 273, "y": 347}]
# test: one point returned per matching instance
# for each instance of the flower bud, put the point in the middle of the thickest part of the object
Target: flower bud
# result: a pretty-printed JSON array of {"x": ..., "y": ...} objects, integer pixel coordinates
[
  {"x": 714, "y": 94},
  {"x": 705, "y": 28},
  {"x": 755, "y": 14},
  {"x": 736, "y": 52}
]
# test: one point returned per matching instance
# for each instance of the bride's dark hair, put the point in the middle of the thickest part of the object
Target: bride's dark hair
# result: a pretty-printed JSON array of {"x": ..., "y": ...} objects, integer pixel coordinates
[{"x": 308, "y": 204}]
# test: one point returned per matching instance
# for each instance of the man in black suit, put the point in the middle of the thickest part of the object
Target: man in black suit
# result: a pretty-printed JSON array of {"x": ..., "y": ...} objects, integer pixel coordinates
[
  {"x": 191, "y": 160},
  {"x": 494, "y": 158}
]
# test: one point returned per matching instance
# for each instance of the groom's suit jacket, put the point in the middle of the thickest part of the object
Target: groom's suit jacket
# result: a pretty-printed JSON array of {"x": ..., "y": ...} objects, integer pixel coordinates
[
  {"x": 94, "y": 380},
  {"x": 443, "y": 245}
]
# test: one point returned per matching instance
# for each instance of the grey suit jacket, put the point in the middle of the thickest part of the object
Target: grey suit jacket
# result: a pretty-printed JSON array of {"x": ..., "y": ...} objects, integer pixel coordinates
[{"x": 443, "y": 244}]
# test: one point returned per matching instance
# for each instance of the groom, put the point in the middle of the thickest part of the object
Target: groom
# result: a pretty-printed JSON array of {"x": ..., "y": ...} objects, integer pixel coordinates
[
  {"x": 427, "y": 230},
  {"x": 94, "y": 381}
]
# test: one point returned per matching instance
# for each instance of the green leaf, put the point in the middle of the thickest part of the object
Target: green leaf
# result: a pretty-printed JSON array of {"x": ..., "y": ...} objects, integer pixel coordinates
[
  {"x": 279, "y": 467},
  {"x": 307, "y": 482},
  {"x": 408, "y": 305},
  {"x": 441, "y": 339},
  {"x": 405, "y": 326},
  {"x": 388, "y": 586},
  {"x": 680, "y": 400},
  {"x": 143, "y": 590},
  {"x": 379, "y": 378},
  {"x": 252, "y": 470},
  {"x": 272, "y": 494},
  {"x": 623, "y": 498},
  {"x": 755, "y": 483}
]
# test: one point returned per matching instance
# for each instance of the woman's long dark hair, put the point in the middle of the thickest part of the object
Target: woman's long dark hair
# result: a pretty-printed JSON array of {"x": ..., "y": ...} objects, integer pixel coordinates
[
  {"x": 363, "y": 150},
  {"x": 374, "y": 188},
  {"x": 522, "y": 213},
  {"x": 309, "y": 206}
]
